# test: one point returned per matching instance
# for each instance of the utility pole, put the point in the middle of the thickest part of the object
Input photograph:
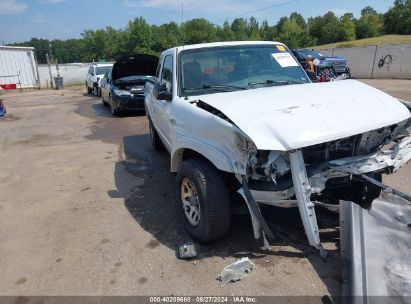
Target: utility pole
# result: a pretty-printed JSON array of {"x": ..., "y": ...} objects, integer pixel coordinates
[
  {"x": 51, "y": 76},
  {"x": 51, "y": 54}
]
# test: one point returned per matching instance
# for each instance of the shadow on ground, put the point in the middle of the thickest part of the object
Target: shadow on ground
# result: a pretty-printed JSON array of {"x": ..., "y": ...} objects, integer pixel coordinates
[
  {"x": 152, "y": 201},
  {"x": 155, "y": 207}
]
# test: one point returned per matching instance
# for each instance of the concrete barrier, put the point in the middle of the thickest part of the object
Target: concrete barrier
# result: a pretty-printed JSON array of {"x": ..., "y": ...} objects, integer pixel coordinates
[
  {"x": 73, "y": 73},
  {"x": 391, "y": 61}
]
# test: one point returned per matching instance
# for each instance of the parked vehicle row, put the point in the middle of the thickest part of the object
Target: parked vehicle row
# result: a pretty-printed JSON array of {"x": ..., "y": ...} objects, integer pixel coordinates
[
  {"x": 94, "y": 75},
  {"x": 123, "y": 86}
]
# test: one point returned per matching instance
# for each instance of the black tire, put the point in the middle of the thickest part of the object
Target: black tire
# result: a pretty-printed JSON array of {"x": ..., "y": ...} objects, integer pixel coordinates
[
  {"x": 113, "y": 109},
  {"x": 364, "y": 193},
  {"x": 213, "y": 197},
  {"x": 155, "y": 139},
  {"x": 105, "y": 104},
  {"x": 95, "y": 91},
  {"x": 89, "y": 91}
]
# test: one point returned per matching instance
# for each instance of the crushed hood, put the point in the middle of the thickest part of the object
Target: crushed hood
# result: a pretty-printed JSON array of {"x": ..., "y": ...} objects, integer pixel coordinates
[
  {"x": 296, "y": 116},
  {"x": 135, "y": 65}
]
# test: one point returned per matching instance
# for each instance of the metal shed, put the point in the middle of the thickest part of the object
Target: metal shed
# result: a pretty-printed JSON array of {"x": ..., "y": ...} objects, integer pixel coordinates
[{"x": 18, "y": 66}]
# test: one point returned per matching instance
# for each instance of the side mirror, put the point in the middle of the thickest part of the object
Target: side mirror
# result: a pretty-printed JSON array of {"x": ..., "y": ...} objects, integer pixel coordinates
[
  {"x": 160, "y": 91},
  {"x": 92, "y": 74},
  {"x": 316, "y": 62}
]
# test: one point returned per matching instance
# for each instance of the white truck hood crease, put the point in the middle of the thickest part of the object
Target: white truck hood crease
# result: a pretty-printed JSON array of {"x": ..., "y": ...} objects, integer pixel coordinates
[{"x": 295, "y": 116}]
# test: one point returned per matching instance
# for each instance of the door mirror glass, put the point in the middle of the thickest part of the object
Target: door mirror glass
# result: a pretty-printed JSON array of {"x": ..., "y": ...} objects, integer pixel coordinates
[{"x": 160, "y": 91}]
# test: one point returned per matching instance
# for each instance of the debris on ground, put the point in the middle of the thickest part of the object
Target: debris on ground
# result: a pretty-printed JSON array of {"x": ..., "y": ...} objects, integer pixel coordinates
[
  {"x": 187, "y": 251},
  {"x": 235, "y": 271}
]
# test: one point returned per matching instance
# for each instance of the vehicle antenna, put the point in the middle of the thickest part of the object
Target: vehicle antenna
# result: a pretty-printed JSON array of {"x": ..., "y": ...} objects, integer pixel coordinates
[{"x": 182, "y": 21}]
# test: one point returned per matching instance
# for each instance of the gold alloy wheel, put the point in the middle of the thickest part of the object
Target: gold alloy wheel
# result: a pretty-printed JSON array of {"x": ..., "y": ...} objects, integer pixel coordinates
[{"x": 190, "y": 201}]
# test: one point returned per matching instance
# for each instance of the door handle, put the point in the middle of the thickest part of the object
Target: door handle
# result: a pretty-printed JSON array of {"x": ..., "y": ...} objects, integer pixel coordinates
[{"x": 173, "y": 121}]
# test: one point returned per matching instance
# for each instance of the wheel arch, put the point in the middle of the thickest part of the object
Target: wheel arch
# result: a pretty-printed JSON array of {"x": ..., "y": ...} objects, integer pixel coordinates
[{"x": 212, "y": 155}]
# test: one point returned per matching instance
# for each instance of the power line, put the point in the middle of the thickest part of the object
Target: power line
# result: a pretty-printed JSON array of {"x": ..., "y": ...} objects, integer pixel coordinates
[{"x": 259, "y": 10}]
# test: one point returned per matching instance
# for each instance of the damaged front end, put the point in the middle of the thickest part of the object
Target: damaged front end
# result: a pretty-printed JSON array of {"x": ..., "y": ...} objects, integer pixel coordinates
[{"x": 347, "y": 169}]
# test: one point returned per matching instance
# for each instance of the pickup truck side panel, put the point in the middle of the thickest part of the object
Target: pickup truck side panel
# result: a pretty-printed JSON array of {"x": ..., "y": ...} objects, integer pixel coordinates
[{"x": 202, "y": 132}]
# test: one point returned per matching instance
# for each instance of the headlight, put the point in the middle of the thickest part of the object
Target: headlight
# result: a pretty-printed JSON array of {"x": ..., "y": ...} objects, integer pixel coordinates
[{"x": 122, "y": 92}]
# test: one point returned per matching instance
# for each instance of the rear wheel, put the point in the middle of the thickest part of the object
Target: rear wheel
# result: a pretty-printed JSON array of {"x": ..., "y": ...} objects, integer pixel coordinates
[
  {"x": 89, "y": 91},
  {"x": 203, "y": 200}
]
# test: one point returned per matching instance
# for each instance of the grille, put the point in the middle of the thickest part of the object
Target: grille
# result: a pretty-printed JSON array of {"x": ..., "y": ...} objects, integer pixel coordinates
[{"x": 330, "y": 151}]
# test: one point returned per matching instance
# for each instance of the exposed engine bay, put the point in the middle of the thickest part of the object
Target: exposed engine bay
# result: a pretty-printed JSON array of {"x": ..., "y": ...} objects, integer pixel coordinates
[
  {"x": 329, "y": 184},
  {"x": 135, "y": 87}
]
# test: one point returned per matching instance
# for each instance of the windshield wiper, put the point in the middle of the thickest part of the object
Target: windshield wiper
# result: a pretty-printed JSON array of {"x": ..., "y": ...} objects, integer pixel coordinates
[
  {"x": 279, "y": 82},
  {"x": 220, "y": 87}
]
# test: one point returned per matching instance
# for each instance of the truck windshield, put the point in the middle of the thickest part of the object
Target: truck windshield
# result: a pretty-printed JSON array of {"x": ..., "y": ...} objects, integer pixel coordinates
[{"x": 231, "y": 68}]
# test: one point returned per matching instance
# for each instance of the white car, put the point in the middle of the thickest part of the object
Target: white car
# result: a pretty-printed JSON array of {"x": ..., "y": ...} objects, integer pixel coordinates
[
  {"x": 244, "y": 117},
  {"x": 94, "y": 75}
]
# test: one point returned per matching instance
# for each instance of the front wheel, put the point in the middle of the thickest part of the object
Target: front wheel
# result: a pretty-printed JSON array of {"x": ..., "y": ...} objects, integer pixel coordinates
[
  {"x": 103, "y": 101},
  {"x": 203, "y": 200},
  {"x": 113, "y": 109}
]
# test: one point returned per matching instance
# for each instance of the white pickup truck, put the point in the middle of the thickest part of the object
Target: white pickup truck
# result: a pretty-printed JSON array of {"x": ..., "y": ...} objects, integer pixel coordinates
[{"x": 244, "y": 117}]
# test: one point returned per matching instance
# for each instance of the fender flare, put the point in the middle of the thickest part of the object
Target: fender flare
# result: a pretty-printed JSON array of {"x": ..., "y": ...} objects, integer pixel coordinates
[{"x": 220, "y": 159}]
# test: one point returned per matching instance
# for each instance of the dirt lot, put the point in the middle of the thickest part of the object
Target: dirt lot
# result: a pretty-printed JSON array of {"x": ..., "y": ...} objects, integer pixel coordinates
[{"x": 88, "y": 208}]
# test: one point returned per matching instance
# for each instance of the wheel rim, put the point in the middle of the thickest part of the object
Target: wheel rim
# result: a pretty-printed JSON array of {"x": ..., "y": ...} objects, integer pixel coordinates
[{"x": 190, "y": 201}]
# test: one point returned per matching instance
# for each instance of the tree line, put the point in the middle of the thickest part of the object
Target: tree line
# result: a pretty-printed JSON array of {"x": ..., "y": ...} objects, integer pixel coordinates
[{"x": 140, "y": 37}]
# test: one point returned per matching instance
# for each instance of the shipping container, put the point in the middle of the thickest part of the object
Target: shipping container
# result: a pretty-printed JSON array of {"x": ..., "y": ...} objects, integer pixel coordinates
[{"x": 18, "y": 66}]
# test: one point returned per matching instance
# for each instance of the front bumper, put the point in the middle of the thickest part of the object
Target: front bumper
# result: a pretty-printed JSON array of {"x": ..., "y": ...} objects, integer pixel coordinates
[
  {"x": 383, "y": 161},
  {"x": 129, "y": 103}
]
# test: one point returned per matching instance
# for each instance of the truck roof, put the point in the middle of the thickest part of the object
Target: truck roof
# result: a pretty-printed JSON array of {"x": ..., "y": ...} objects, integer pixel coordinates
[{"x": 217, "y": 44}]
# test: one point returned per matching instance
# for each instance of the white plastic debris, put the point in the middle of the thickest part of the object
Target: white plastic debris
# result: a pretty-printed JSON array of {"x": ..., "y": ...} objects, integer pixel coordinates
[
  {"x": 235, "y": 271},
  {"x": 187, "y": 251}
]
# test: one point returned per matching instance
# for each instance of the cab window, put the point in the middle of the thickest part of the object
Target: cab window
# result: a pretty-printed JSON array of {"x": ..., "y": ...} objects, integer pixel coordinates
[{"x": 167, "y": 72}]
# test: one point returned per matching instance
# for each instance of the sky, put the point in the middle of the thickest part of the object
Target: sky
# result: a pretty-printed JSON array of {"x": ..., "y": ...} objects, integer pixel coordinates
[{"x": 20, "y": 20}]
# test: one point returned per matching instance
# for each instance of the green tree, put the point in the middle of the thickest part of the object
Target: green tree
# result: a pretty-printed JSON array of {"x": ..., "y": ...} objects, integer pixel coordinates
[
  {"x": 199, "y": 31},
  {"x": 139, "y": 36},
  {"x": 346, "y": 28},
  {"x": 253, "y": 29},
  {"x": 224, "y": 33},
  {"x": 93, "y": 44},
  {"x": 239, "y": 28},
  {"x": 166, "y": 36},
  {"x": 370, "y": 24},
  {"x": 267, "y": 32},
  {"x": 398, "y": 18},
  {"x": 293, "y": 31},
  {"x": 324, "y": 28}
]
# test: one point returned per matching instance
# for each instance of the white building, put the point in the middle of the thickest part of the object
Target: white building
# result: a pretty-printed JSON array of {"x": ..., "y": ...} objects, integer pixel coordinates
[{"x": 18, "y": 66}]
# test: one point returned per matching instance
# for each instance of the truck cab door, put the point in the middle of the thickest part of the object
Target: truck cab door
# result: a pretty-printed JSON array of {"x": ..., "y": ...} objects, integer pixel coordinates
[{"x": 162, "y": 120}]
